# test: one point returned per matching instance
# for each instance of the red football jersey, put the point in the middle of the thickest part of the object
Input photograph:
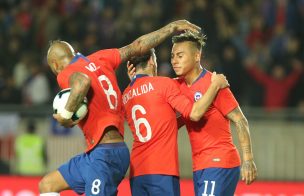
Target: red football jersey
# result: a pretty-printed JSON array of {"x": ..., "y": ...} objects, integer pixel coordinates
[
  {"x": 104, "y": 96},
  {"x": 149, "y": 107},
  {"x": 210, "y": 138}
]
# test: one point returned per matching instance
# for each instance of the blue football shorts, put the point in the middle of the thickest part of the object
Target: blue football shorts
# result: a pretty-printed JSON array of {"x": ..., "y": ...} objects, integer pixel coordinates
[
  {"x": 147, "y": 185},
  {"x": 216, "y": 181},
  {"x": 99, "y": 171}
]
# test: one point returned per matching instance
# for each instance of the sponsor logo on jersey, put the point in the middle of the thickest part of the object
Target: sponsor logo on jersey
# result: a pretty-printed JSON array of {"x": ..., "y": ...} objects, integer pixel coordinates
[
  {"x": 197, "y": 95},
  {"x": 216, "y": 159}
]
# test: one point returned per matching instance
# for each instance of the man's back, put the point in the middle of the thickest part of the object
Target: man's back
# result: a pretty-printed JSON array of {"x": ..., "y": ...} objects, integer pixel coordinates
[
  {"x": 149, "y": 103},
  {"x": 104, "y": 97}
]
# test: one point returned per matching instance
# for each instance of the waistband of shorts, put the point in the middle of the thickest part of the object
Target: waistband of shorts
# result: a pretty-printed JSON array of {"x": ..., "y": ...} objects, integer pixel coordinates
[{"x": 112, "y": 145}]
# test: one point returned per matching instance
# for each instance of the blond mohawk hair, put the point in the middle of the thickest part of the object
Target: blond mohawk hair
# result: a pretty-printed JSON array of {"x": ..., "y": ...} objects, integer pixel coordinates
[{"x": 198, "y": 39}]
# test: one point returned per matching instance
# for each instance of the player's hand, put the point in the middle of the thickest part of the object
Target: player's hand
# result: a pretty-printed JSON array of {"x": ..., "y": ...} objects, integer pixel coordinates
[
  {"x": 219, "y": 80},
  {"x": 248, "y": 171},
  {"x": 131, "y": 70},
  {"x": 183, "y": 25},
  {"x": 65, "y": 122}
]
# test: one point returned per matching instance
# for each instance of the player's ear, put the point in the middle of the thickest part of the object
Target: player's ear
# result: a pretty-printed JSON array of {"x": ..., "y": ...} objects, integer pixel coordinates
[
  {"x": 54, "y": 66},
  {"x": 151, "y": 61}
]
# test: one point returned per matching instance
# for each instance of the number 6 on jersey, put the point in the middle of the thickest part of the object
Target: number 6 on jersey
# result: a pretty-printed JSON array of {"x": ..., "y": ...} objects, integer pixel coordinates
[{"x": 139, "y": 121}]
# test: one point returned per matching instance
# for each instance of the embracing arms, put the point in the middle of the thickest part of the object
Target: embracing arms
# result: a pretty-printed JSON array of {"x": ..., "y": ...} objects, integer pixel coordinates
[
  {"x": 218, "y": 81},
  {"x": 144, "y": 43}
]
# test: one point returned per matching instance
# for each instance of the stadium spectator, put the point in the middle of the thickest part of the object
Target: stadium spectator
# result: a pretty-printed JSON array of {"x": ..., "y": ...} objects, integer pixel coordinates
[
  {"x": 36, "y": 89},
  {"x": 231, "y": 66},
  {"x": 21, "y": 70},
  {"x": 154, "y": 161},
  {"x": 30, "y": 152},
  {"x": 28, "y": 25},
  {"x": 216, "y": 161},
  {"x": 94, "y": 77},
  {"x": 9, "y": 94},
  {"x": 278, "y": 84}
]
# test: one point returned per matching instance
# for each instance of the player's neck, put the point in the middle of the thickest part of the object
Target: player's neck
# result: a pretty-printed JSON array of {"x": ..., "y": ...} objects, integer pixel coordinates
[
  {"x": 145, "y": 72},
  {"x": 192, "y": 75}
]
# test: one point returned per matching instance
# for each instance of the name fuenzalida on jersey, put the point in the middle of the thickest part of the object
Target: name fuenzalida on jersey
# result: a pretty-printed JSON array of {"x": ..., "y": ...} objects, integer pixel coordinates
[{"x": 142, "y": 89}]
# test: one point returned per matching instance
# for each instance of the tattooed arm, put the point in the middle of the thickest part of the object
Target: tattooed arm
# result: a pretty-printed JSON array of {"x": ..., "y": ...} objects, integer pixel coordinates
[
  {"x": 80, "y": 84},
  {"x": 144, "y": 43},
  {"x": 248, "y": 170}
]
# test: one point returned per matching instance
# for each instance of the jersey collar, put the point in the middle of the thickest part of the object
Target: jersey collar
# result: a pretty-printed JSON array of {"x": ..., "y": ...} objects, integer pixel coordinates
[
  {"x": 202, "y": 74},
  {"x": 136, "y": 77},
  {"x": 79, "y": 56}
]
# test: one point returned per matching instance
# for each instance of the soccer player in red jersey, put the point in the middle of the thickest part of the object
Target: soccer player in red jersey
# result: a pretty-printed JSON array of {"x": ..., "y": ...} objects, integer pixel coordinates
[
  {"x": 150, "y": 104},
  {"x": 101, "y": 168},
  {"x": 216, "y": 161}
]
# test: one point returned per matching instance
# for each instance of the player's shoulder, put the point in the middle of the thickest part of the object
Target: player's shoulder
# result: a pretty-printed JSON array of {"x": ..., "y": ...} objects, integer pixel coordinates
[
  {"x": 79, "y": 65},
  {"x": 162, "y": 80},
  {"x": 166, "y": 83},
  {"x": 206, "y": 73},
  {"x": 157, "y": 81},
  {"x": 205, "y": 76},
  {"x": 104, "y": 52},
  {"x": 66, "y": 70}
]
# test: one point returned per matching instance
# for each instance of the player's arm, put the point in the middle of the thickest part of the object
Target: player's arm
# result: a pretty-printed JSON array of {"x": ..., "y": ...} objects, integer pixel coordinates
[
  {"x": 80, "y": 84},
  {"x": 144, "y": 43},
  {"x": 248, "y": 170},
  {"x": 199, "y": 108}
]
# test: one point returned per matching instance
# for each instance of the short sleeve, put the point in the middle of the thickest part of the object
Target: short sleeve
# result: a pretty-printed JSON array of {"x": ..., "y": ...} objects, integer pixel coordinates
[
  {"x": 177, "y": 100},
  {"x": 63, "y": 77},
  {"x": 111, "y": 56},
  {"x": 225, "y": 102}
]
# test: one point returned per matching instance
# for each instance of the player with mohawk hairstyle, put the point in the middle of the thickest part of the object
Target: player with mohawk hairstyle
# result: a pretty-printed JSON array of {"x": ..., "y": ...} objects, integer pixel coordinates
[{"x": 216, "y": 161}]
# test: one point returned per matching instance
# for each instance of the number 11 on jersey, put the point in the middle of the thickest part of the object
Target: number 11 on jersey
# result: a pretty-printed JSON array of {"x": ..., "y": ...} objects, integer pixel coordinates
[{"x": 206, "y": 188}]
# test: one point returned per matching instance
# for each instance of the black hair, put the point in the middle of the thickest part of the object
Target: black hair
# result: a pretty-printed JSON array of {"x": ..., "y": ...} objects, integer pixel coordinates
[{"x": 141, "y": 61}]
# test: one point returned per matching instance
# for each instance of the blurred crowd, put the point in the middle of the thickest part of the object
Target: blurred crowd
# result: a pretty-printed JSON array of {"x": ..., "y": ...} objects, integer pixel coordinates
[{"x": 257, "y": 44}]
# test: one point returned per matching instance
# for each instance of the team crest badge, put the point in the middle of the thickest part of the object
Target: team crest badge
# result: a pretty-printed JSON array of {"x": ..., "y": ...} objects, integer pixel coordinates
[{"x": 197, "y": 95}]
